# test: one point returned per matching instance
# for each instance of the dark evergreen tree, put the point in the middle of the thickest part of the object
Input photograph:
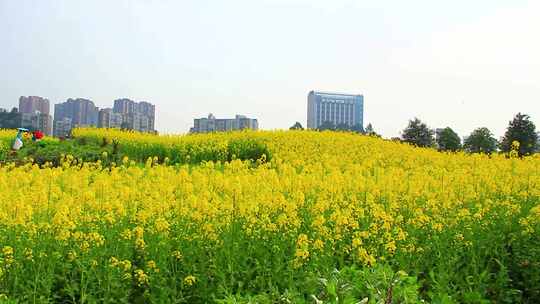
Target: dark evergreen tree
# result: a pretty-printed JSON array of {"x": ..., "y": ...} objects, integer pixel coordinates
[
  {"x": 481, "y": 140},
  {"x": 417, "y": 133},
  {"x": 370, "y": 131},
  {"x": 522, "y": 130},
  {"x": 448, "y": 140},
  {"x": 297, "y": 126}
]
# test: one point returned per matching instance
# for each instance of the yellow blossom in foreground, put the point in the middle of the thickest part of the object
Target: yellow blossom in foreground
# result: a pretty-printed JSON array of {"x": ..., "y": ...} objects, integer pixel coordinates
[
  {"x": 190, "y": 280},
  {"x": 141, "y": 277}
]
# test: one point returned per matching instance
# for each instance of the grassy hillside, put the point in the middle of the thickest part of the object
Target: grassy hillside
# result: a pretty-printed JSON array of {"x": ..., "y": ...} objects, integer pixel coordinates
[{"x": 331, "y": 217}]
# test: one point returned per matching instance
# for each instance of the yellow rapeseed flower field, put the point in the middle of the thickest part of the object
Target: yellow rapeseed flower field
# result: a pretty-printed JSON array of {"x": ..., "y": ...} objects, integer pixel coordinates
[{"x": 461, "y": 228}]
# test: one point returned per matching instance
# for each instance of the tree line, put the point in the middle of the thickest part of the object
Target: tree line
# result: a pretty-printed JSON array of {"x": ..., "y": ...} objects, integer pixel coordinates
[{"x": 520, "y": 135}]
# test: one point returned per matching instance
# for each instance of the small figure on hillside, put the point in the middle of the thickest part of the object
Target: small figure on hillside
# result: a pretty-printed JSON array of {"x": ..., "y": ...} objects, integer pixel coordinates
[{"x": 18, "y": 142}]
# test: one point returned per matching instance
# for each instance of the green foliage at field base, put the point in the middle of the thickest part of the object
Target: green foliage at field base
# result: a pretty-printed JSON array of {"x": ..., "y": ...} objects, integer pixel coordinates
[{"x": 112, "y": 151}]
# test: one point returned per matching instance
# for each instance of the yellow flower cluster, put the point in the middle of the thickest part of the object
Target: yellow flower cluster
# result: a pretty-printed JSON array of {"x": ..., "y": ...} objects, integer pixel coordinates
[
  {"x": 141, "y": 277},
  {"x": 190, "y": 280},
  {"x": 7, "y": 257},
  {"x": 302, "y": 250}
]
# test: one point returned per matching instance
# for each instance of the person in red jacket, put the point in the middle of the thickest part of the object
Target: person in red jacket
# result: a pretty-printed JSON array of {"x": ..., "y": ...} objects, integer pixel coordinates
[{"x": 37, "y": 135}]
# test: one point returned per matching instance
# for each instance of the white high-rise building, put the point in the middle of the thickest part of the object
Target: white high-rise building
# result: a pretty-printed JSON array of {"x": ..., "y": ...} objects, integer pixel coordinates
[{"x": 339, "y": 109}]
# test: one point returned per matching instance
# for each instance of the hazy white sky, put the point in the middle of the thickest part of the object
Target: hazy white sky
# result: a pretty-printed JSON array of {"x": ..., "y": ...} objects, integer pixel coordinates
[{"x": 460, "y": 63}]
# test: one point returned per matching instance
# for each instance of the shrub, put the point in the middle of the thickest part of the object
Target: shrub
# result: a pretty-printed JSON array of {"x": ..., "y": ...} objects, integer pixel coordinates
[
  {"x": 248, "y": 149},
  {"x": 4, "y": 151}
]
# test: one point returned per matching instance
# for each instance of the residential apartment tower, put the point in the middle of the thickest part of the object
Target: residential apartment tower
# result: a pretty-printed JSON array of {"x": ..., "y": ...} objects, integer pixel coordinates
[
  {"x": 34, "y": 111},
  {"x": 213, "y": 124},
  {"x": 74, "y": 113}
]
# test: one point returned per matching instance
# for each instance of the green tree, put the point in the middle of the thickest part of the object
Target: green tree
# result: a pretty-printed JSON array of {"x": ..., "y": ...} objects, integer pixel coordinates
[
  {"x": 327, "y": 125},
  {"x": 370, "y": 131},
  {"x": 448, "y": 140},
  {"x": 522, "y": 130},
  {"x": 481, "y": 140},
  {"x": 297, "y": 126},
  {"x": 417, "y": 133}
]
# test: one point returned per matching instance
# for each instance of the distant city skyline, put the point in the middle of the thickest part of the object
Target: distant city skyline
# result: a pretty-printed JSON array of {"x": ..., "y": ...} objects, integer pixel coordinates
[
  {"x": 33, "y": 112},
  {"x": 461, "y": 64}
]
